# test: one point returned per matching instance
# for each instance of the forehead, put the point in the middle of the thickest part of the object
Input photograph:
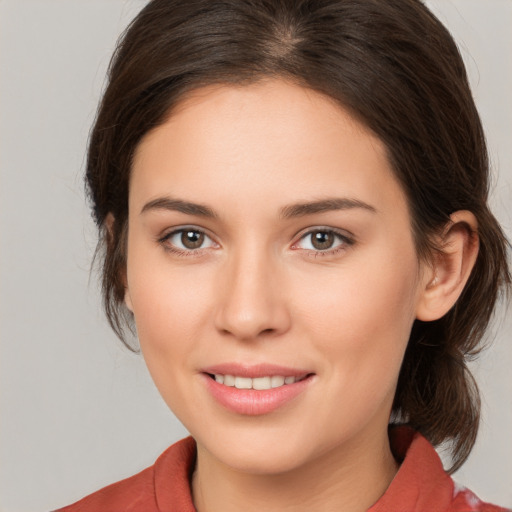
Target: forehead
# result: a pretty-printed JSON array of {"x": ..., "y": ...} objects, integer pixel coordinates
[{"x": 270, "y": 139}]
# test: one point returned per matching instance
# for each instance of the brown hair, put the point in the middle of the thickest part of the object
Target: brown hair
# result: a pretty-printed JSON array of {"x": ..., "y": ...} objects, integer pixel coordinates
[{"x": 398, "y": 70}]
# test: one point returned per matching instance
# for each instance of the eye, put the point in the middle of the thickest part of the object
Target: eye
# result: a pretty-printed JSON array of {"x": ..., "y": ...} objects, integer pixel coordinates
[
  {"x": 187, "y": 239},
  {"x": 323, "y": 240}
]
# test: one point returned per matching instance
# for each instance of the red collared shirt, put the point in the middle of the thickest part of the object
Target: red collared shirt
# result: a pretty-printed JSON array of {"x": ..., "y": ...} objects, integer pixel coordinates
[{"x": 421, "y": 484}]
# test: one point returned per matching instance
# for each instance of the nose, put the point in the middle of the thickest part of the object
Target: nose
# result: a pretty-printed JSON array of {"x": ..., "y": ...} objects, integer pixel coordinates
[{"x": 252, "y": 299}]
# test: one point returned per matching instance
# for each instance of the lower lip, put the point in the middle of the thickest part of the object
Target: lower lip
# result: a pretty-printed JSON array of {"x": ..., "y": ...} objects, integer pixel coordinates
[{"x": 253, "y": 402}]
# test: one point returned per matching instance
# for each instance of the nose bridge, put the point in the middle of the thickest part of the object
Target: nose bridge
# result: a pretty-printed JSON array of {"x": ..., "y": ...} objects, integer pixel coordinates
[{"x": 253, "y": 301}]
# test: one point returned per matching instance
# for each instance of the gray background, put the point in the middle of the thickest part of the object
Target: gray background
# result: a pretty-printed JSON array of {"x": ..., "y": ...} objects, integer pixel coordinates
[{"x": 77, "y": 410}]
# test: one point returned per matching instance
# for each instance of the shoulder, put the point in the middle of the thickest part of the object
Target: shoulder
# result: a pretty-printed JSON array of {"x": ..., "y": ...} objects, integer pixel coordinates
[
  {"x": 422, "y": 484},
  {"x": 130, "y": 494},
  {"x": 167, "y": 481},
  {"x": 465, "y": 500}
]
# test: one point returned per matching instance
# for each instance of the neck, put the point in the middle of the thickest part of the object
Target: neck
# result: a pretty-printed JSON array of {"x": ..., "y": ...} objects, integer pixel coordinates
[{"x": 350, "y": 478}]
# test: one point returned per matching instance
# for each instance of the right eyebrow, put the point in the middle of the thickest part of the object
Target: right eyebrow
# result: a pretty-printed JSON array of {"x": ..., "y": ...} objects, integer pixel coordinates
[
  {"x": 178, "y": 205},
  {"x": 324, "y": 205}
]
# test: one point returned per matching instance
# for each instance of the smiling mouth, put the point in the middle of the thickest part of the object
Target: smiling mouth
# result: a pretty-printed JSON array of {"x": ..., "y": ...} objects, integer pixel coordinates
[
  {"x": 255, "y": 389},
  {"x": 258, "y": 383}
]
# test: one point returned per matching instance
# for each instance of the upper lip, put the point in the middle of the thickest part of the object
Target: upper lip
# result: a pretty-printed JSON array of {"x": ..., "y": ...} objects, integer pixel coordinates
[{"x": 254, "y": 370}]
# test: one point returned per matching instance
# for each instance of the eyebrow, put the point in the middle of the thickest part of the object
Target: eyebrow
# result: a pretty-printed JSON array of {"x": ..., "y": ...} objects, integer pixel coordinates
[
  {"x": 324, "y": 205},
  {"x": 178, "y": 205},
  {"x": 287, "y": 212}
]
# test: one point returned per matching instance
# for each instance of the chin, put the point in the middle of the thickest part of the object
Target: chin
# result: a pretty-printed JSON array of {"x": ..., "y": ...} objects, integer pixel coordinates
[
  {"x": 262, "y": 450},
  {"x": 261, "y": 460}
]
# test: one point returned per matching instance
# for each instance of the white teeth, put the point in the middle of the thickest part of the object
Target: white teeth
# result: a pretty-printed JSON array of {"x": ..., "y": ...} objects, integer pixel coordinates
[
  {"x": 277, "y": 381},
  {"x": 229, "y": 380},
  {"x": 259, "y": 383},
  {"x": 243, "y": 382}
]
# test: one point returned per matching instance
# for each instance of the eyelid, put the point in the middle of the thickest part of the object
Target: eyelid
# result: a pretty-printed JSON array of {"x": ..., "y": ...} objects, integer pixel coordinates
[
  {"x": 168, "y": 234},
  {"x": 347, "y": 238}
]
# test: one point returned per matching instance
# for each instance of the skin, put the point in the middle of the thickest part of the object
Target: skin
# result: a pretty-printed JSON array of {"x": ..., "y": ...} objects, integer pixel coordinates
[{"x": 258, "y": 291}]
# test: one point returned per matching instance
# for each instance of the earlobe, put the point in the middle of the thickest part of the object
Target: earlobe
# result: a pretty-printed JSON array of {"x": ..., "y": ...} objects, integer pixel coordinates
[
  {"x": 128, "y": 299},
  {"x": 108, "y": 223},
  {"x": 451, "y": 267},
  {"x": 109, "y": 226}
]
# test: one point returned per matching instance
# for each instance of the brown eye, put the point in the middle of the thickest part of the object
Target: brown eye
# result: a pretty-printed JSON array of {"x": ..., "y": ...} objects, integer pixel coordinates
[
  {"x": 322, "y": 240},
  {"x": 192, "y": 239},
  {"x": 187, "y": 240}
]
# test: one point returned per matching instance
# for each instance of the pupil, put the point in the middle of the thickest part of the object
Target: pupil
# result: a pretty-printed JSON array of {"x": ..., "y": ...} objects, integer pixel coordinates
[
  {"x": 192, "y": 239},
  {"x": 322, "y": 240}
]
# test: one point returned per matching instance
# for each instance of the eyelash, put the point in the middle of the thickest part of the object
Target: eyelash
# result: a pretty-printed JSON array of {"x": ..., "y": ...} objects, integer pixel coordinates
[
  {"x": 346, "y": 242},
  {"x": 165, "y": 242}
]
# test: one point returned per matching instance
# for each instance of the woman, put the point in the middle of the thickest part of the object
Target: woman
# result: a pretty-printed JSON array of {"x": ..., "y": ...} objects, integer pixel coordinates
[{"x": 292, "y": 203}]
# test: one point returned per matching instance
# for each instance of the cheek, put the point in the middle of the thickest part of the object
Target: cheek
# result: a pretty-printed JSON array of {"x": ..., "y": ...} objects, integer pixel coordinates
[
  {"x": 361, "y": 314},
  {"x": 168, "y": 300},
  {"x": 352, "y": 299},
  {"x": 170, "y": 314}
]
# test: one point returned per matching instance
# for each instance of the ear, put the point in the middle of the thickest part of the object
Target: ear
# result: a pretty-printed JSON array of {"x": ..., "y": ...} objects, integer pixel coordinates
[
  {"x": 448, "y": 274},
  {"x": 127, "y": 297},
  {"x": 109, "y": 225}
]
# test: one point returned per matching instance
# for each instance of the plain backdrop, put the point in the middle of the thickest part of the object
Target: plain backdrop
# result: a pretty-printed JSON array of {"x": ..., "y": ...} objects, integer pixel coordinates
[{"x": 77, "y": 410}]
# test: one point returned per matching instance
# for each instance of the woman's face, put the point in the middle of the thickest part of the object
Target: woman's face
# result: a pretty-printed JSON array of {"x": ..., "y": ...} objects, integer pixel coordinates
[{"x": 268, "y": 239}]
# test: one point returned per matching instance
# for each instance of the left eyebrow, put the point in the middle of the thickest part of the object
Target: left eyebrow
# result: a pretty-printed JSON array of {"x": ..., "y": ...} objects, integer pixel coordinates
[
  {"x": 171, "y": 204},
  {"x": 325, "y": 205}
]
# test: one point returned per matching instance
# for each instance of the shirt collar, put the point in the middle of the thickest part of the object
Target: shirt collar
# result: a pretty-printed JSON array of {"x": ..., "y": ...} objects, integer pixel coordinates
[{"x": 420, "y": 485}]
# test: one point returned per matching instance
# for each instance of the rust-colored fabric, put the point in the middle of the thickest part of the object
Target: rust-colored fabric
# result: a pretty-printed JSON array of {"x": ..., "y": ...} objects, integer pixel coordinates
[
  {"x": 421, "y": 484},
  {"x": 163, "y": 487}
]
